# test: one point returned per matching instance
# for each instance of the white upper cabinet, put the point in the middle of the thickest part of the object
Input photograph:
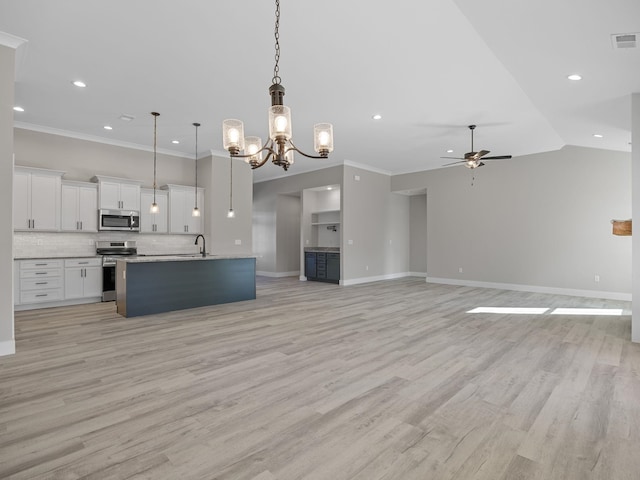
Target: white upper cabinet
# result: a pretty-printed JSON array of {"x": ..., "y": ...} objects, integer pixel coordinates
[
  {"x": 154, "y": 222},
  {"x": 181, "y": 203},
  {"x": 36, "y": 198},
  {"x": 118, "y": 193},
  {"x": 79, "y": 207}
]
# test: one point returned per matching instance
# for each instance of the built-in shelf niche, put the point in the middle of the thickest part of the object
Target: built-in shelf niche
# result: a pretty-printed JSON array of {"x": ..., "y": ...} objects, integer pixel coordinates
[{"x": 325, "y": 228}]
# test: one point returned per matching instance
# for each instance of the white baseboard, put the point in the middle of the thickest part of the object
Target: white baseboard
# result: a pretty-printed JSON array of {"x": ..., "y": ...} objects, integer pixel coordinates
[
  {"x": 278, "y": 274},
  {"x": 377, "y": 278},
  {"x": 7, "y": 347},
  {"x": 533, "y": 288},
  {"x": 61, "y": 303},
  {"x": 417, "y": 274}
]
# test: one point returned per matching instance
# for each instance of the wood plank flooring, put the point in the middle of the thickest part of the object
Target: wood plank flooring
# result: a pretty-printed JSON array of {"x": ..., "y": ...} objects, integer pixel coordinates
[{"x": 388, "y": 380}]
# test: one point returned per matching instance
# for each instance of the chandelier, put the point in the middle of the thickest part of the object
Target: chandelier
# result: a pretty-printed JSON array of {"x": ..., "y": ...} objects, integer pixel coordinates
[{"x": 279, "y": 147}]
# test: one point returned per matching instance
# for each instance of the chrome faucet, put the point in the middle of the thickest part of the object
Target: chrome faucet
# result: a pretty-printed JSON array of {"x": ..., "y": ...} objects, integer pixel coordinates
[{"x": 204, "y": 249}]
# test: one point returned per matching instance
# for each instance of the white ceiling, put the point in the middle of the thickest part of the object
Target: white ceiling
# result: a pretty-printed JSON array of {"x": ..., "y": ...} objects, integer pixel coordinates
[{"x": 430, "y": 68}]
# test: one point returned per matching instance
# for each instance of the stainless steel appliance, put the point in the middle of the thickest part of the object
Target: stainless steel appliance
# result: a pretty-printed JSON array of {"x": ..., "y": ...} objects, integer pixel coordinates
[
  {"x": 119, "y": 220},
  {"x": 111, "y": 251}
]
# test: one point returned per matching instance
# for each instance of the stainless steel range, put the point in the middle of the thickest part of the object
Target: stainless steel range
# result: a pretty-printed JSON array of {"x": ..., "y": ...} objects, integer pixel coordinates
[{"x": 111, "y": 251}]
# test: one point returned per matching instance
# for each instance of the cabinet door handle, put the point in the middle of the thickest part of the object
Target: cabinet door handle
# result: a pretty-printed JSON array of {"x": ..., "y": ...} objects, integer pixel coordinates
[
  {"x": 83, "y": 263},
  {"x": 42, "y": 295},
  {"x": 81, "y": 225},
  {"x": 42, "y": 283},
  {"x": 41, "y": 264},
  {"x": 41, "y": 273}
]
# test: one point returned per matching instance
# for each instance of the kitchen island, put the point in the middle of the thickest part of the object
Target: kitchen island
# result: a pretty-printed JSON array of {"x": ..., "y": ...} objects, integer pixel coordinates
[{"x": 154, "y": 284}]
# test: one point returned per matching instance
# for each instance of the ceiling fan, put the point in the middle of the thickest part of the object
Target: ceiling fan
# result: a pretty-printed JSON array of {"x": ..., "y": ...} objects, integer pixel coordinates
[{"x": 474, "y": 159}]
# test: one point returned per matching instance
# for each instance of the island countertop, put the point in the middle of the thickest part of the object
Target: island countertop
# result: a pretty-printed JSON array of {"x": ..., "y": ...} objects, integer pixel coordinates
[{"x": 181, "y": 258}]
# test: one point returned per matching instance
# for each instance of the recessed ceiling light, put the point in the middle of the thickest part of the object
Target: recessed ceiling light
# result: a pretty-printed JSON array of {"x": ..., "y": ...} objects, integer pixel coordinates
[
  {"x": 175, "y": 142},
  {"x": 18, "y": 109},
  {"x": 597, "y": 135},
  {"x": 377, "y": 116},
  {"x": 329, "y": 188},
  {"x": 108, "y": 127},
  {"x": 575, "y": 77},
  {"x": 449, "y": 151},
  {"x": 79, "y": 83},
  {"x": 126, "y": 118}
]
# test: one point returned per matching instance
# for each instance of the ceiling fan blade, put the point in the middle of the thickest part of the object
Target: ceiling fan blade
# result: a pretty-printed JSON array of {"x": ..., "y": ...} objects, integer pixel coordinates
[
  {"x": 454, "y": 163},
  {"x": 482, "y": 153},
  {"x": 469, "y": 155},
  {"x": 499, "y": 157},
  {"x": 454, "y": 158}
]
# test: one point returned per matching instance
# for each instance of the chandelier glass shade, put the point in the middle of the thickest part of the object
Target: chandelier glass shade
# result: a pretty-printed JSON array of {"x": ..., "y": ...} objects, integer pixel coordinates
[{"x": 279, "y": 147}]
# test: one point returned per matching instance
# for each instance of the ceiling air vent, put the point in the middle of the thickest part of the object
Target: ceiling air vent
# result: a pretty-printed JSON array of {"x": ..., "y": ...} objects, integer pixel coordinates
[{"x": 624, "y": 40}]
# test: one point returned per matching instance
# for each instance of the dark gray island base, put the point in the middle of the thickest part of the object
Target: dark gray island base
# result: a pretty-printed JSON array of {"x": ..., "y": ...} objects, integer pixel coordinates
[{"x": 147, "y": 285}]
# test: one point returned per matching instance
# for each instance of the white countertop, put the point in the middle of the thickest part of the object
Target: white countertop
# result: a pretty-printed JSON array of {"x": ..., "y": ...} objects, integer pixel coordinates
[{"x": 180, "y": 258}]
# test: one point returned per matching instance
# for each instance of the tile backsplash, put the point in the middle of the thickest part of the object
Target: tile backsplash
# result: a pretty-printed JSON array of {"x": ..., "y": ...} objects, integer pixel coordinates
[{"x": 53, "y": 244}]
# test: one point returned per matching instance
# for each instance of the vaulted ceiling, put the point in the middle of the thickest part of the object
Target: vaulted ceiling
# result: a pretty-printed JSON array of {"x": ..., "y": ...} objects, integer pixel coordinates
[{"x": 429, "y": 68}]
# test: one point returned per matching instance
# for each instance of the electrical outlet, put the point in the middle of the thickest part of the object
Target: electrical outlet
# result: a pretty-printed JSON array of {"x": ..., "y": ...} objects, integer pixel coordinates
[
  {"x": 306, "y": 242},
  {"x": 460, "y": 270},
  {"x": 366, "y": 267},
  {"x": 356, "y": 178},
  {"x": 596, "y": 278},
  {"x": 349, "y": 242},
  {"x": 238, "y": 242}
]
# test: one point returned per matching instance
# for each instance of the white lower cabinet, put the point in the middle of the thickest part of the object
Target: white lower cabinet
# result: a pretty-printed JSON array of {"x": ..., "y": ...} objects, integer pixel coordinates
[
  {"x": 41, "y": 281},
  {"x": 82, "y": 278},
  {"x": 56, "y": 281}
]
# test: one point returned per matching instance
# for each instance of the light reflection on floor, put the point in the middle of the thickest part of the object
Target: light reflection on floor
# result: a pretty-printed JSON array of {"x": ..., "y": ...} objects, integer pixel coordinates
[{"x": 540, "y": 311}]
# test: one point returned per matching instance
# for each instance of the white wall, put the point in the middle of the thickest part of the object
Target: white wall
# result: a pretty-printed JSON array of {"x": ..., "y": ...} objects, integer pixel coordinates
[
  {"x": 265, "y": 205},
  {"x": 7, "y": 74},
  {"x": 540, "y": 220},
  {"x": 82, "y": 159},
  {"x": 375, "y": 228},
  {"x": 288, "y": 211},
  {"x": 418, "y": 234},
  {"x": 225, "y": 233},
  {"x": 635, "y": 154}
]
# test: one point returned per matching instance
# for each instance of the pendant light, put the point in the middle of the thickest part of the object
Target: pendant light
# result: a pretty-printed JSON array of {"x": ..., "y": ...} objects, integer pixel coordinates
[
  {"x": 231, "y": 213},
  {"x": 196, "y": 212},
  {"x": 154, "y": 206},
  {"x": 279, "y": 147}
]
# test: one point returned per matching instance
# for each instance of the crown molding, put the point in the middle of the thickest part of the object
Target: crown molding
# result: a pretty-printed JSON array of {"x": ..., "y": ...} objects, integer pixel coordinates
[
  {"x": 369, "y": 168},
  {"x": 11, "y": 41}
]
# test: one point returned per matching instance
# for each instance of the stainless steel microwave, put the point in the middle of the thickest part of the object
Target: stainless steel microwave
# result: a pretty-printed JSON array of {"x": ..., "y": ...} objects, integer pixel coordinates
[{"x": 120, "y": 220}]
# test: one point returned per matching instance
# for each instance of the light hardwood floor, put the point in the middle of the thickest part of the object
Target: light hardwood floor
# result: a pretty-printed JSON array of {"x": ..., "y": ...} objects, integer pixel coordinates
[{"x": 389, "y": 380}]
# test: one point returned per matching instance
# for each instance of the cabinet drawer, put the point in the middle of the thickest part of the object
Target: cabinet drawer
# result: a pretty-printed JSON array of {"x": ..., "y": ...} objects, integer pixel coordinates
[
  {"x": 83, "y": 262},
  {"x": 40, "y": 264},
  {"x": 38, "y": 296},
  {"x": 40, "y": 283},
  {"x": 42, "y": 273}
]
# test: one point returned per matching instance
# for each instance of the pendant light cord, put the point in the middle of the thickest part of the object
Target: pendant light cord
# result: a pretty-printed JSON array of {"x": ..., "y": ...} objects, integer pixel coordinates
[
  {"x": 230, "y": 183},
  {"x": 155, "y": 134},
  {"x": 196, "y": 187}
]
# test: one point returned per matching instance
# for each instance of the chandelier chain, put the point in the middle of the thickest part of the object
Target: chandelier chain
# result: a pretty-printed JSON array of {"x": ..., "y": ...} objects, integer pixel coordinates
[{"x": 276, "y": 80}]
